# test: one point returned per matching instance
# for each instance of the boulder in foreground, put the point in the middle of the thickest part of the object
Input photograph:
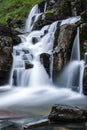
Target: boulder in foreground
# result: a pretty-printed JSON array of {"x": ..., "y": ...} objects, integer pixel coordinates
[{"x": 65, "y": 113}]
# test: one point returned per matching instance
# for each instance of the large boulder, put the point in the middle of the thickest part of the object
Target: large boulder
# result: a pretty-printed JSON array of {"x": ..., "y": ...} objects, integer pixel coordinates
[
  {"x": 5, "y": 54},
  {"x": 64, "y": 43},
  {"x": 66, "y": 113}
]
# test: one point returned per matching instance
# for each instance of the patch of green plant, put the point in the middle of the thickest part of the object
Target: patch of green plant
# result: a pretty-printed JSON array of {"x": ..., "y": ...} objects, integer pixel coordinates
[
  {"x": 15, "y": 9},
  {"x": 49, "y": 12}
]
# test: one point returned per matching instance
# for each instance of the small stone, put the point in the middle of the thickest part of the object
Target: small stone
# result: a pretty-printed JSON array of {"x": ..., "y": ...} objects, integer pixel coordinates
[{"x": 28, "y": 65}]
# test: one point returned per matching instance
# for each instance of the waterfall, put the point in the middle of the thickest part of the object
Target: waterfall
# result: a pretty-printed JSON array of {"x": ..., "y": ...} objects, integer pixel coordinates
[
  {"x": 78, "y": 66},
  {"x": 32, "y": 18},
  {"x": 31, "y": 85},
  {"x": 75, "y": 55},
  {"x": 81, "y": 77},
  {"x": 27, "y": 69},
  {"x": 74, "y": 69},
  {"x": 45, "y": 7},
  {"x": 70, "y": 20}
]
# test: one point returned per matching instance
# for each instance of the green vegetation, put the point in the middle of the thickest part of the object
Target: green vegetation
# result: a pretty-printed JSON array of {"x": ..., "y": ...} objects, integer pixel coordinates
[
  {"x": 15, "y": 9},
  {"x": 49, "y": 12}
]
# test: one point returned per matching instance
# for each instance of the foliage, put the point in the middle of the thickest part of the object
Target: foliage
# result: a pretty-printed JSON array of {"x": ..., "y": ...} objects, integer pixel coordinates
[{"x": 15, "y": 9}]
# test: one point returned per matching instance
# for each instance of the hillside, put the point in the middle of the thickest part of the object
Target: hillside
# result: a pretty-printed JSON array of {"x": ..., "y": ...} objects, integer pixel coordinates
[{"x": 15, "y": 9}]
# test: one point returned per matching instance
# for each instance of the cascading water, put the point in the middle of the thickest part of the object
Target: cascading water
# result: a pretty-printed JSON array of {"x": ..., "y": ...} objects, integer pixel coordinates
[
  {"x": 71, "y": 20},
  {"x": 74, "y": 61},
  {"x": 75, "y": 55},
  {"x": 28, "y": 53},
  {"x": 76, "y": 67},
  {"x": 32, "y": 18},
  {"x": 29, "y": 73}
]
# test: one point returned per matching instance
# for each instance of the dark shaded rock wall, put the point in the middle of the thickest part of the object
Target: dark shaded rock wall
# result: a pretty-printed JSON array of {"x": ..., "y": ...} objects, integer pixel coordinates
[
  {"x": 64, "y": 43},
  {"x": 5, "y": 54}
]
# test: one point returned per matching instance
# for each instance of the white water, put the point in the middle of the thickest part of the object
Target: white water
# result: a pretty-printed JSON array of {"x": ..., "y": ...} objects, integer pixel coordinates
[
  {"x": 82, "y": 67},
  {"x": 37, "y": 90},
  {"x": 32, "y": 18},
  {"x": 29, "y": 52},
  {"x": 45, "y": 7},
  {"x": 75, "y": 55},
  {"x": 70, "y": 20},
  {"x": 74, "y": 70}
]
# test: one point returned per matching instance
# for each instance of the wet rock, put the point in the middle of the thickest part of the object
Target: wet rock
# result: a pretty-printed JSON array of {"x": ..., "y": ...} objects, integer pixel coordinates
[
  {"x": 17, "y": 52},
  {"x": 65, "y": 113},
  {"x": 34, "y": 40},
  {"x": 7, "y": 51},
  {"x": 4, "y": 77},
  {"x": 15, "y": 78},
  {"x": 84, "y": 16},
  {"x": 19, "y": 31},
  {"x": 28, "y": 65},
  {"x": 26, "y": 51},
  {"x": 64, "y": 43},
  {"x": 24, "y": 57},
  {"x": 45, "y": 60},
  {"x": 41, "y": 6},
  {"x": 85, "y": 81},
  {"x": 83, "y": 38},
  {"x": 6, "y": 44},
  {"x": 36, "y": 124}
]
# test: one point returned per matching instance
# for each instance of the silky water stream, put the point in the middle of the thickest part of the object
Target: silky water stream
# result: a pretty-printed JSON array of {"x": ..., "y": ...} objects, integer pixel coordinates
[{"x": 31, "y": 90}]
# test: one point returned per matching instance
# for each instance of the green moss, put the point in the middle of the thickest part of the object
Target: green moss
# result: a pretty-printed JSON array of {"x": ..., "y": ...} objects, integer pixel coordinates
[
  {"x": 15, "y": 9},
  {"x": 49, "y": 12}
]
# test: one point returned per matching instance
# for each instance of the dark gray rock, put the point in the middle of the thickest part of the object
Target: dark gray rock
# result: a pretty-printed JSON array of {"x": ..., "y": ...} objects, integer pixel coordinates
[
  {"x": 6, "y": 44},
  {"x": 84, "y": 16},
  {"x": 14, "y": 78},
  {"x": 34, "y": 40},
  {"x": 83, "y": 38},
  {"x": 66, "y": 113},
  {"x": 45, "y": 60},
  {"x": 64, "y": 43},
  {"x": 28, "y": 65}
]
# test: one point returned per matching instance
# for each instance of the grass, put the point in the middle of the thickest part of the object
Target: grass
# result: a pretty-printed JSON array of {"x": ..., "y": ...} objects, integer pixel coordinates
[{"x": 15, "y": 9}]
